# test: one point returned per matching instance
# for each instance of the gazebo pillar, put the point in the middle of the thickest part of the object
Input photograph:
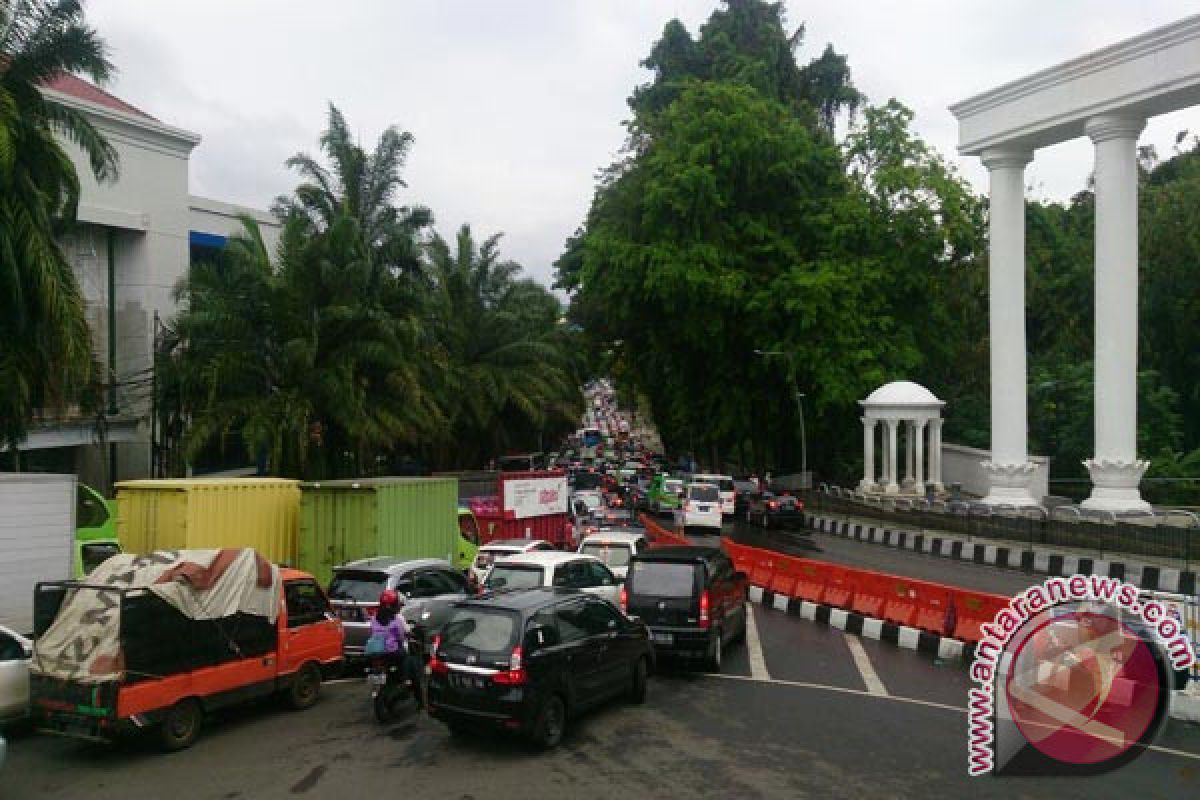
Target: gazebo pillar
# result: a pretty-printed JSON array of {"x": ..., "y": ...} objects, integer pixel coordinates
[
  {"x": 868, "y": 481},
  {"x": 919, "y": 477},
  {"x": 891, "y": 487},
  {"x": 935, "y": 454},
  {"x": 1009, "y": 470}
]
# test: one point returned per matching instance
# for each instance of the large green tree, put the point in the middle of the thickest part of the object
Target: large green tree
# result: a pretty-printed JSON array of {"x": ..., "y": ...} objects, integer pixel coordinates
[{"x": 45, "y": 346}]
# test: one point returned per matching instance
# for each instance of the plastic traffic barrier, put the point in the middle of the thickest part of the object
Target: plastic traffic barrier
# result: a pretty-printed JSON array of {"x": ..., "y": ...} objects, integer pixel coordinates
[
  {"x": 840, "y": 585},
  {"x": 810, "y": 581},
  {"x": 783, "y": 581},
  {"x": 900, "y": 605},
  {"x": 763, "y": 568},
  {"x": 743, "y": 561},
  {"x": 870, "y": 593},
  {"x": 936, "y": 611},
  {"x": 973, "y": 610}
]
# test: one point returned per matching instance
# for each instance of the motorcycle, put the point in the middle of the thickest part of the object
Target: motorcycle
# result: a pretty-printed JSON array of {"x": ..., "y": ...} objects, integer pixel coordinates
[{"x": 391, "y": 689}]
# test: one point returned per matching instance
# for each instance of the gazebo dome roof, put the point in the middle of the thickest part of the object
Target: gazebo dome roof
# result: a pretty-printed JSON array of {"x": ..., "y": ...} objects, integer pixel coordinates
[{"x": 902, "y": 393}]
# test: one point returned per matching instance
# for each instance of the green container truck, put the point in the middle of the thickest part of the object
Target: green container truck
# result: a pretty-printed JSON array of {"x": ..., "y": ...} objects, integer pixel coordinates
[{"x": 345, "y": 520}]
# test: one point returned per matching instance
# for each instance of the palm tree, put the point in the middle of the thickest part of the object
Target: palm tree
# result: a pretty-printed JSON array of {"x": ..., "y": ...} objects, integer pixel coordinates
[
  {"x": 504, "y": 377},
  {"x": 45, "y": 345}
]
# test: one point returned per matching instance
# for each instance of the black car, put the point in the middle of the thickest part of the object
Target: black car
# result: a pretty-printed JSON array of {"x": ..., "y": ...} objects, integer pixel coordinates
[
  {"x": 527, "y": 661},
  {"x": 691, "y": 598},
  {"x": 770, "y": 510}
]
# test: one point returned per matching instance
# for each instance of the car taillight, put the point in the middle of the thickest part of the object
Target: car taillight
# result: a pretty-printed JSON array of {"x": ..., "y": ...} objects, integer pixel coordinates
[
  {"x": 436, "y": 665},
  {"x": 624, "y": 599},
  {"x": 515, "y": 675},
  {"x": 704, "y": 609},
  {"x": 772, "y": 504}
]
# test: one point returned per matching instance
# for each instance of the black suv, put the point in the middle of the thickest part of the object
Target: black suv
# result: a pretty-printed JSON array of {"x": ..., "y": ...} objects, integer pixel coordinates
[
  {"x": 526, "y": 661},
  {"x": 770, "y": 510},
  {"x": 691, "y": 598}
]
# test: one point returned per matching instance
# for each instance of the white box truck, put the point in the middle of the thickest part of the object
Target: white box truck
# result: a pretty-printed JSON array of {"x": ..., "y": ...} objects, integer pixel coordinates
[{"x": 37, "y": 540}]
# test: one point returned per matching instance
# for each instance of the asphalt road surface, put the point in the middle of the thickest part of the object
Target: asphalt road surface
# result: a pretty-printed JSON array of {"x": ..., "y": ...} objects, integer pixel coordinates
[{"x": 801, "y": 710}]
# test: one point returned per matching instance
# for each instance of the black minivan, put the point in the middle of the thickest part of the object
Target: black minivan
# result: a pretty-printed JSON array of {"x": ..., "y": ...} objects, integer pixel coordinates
[
  {"x": 691, "y": 598},
  {"x": 528, "y": 660}
]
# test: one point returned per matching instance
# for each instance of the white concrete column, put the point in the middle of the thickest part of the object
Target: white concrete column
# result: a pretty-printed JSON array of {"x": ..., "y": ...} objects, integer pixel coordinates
[
  {"x": 935, "y": 454},
  {"x": 1115, "y": 469},
  {"x": 868, "y": 481},
  {"x": 919, "y": 458},
  {"x": 910, "y": 433},
  {"x": 1009, "y": 470},
  {"x": 891, "y": 487}
]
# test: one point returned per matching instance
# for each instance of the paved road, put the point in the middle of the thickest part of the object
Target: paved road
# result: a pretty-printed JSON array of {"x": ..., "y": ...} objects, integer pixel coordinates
[
  {"x": 840, "y": 550},
  {"x": 795, "y": 714}
]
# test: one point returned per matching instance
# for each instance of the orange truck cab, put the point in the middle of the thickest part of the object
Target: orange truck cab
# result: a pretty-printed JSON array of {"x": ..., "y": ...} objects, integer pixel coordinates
[{"x": 169, "y": 669}]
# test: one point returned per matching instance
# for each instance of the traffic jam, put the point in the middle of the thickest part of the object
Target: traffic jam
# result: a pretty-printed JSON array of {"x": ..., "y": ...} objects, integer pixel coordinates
[{"x": 594, "y": 603}]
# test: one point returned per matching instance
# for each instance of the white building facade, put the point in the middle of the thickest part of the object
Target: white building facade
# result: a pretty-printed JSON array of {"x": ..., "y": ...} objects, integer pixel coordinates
[{"x": 134, "y": 243}]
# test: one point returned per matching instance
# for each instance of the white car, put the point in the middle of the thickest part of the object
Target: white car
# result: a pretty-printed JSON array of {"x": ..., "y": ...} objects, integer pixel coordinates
[
  {"x": 615, "y": 549},
  {"x": 15, "y": 652},
  {"x": 500, "y": 548},
  {"x": 563, "y": 570},
  {"x": 702, "y": 507},
  {"x": 725, "y": 487}
]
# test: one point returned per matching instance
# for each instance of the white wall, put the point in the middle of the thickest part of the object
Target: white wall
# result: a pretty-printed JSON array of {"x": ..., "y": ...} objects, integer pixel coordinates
[
  {"x": 213, "y": 216},
  {"x": 962, "y": 464}
]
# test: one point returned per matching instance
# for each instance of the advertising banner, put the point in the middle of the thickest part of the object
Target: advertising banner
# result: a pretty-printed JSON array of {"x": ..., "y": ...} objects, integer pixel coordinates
[{"x": 535, "y": 497}]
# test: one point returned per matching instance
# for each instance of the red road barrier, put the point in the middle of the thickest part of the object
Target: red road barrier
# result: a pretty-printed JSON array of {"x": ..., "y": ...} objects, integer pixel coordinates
[
  {"x": 660, "y": 536},
  {"x": 900, "y": 606},
  {"x": 938, "y": 608}
]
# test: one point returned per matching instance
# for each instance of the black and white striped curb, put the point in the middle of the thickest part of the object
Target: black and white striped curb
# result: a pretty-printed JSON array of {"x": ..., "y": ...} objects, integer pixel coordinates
[
  {"x": 856, "y": 624},
  {"x": 1145, "y": 576}
]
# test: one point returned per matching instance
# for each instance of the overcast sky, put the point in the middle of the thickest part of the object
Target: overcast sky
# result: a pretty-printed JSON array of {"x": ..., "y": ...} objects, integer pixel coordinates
[{"x": 515, "y": 104}]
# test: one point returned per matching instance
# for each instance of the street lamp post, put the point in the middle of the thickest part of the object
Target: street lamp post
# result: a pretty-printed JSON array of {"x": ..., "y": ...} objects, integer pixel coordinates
[{"x": 799, "y": 406}]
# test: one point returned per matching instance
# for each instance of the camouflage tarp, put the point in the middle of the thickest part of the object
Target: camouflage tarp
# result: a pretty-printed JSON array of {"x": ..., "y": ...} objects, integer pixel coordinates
[{"x": 83, "y": 643}]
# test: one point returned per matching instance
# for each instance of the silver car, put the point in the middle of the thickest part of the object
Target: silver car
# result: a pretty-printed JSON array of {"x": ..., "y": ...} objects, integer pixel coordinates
[
  {"x": 426, "y": 585},
  {"x": 15, "y": 652}
]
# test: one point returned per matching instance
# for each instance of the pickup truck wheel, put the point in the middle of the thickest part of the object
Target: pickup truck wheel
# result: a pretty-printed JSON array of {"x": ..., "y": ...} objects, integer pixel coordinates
[
  {"x": 305, "y": 688},
  {"x": 637, "y": 692},
  {"x": 181, "y": 726}
]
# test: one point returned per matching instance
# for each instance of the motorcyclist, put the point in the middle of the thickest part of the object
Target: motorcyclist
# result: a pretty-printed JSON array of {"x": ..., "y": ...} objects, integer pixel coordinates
[{"x": 389, "y": 624}]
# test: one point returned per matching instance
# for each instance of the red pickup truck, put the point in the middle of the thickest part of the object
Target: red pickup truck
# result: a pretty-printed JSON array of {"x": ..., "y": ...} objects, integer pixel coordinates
[{"x": 130, "y": 659}]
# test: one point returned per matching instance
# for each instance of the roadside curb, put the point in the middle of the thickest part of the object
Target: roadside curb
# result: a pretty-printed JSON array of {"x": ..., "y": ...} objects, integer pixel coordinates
[
  {"x": 855, "y": 624},
  {"x": 1046, "y": 562}
]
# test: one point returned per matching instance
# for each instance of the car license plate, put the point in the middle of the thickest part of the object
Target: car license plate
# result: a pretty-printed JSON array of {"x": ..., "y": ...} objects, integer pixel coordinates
[
  {"x": 377, "y": 679},
  {"x": 467, "y": 681},
  {"x": 662, "y": 638}
]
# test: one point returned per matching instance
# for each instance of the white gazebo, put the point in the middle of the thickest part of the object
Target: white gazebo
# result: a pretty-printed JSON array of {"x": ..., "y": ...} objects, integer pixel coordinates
[
  {"x": 907, "y": 405},
  {"x": 1105, "y": 95}
]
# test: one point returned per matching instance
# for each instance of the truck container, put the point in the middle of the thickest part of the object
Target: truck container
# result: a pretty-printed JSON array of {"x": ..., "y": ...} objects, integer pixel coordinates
[
  {"x": 37, "y": 540},
  {"x": 202, "y": 513},
  {"x": 472, "y": 483},
  {"x": 346, "y": 520},
  {"x": 527, "y": 505}
]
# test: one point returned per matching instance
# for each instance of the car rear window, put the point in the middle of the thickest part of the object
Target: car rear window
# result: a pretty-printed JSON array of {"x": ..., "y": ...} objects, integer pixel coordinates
[
  {"x": 484, "y": 630},
  {"x": 662, "y": 578},
  {"x": 612, "y": 554},
  {"x": 514, "y": 576},
  {"x": 486, "y": 557},
  {"x": 360, "y": 586},
  {"x": 726, "y": 485},
  {"x": 705, "y": 494},
  {"x": 673, "y": 486}
]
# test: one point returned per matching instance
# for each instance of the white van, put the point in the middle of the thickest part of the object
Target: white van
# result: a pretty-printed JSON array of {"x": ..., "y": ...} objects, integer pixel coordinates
[{"x": 725, "y": 487}]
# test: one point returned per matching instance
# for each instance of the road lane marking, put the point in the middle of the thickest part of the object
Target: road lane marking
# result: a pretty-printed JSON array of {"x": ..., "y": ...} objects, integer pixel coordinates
[
  {"x": 865, "y": 669},
  {"x": 758, "y": 664},
  {"x": 914, "y": 701}
]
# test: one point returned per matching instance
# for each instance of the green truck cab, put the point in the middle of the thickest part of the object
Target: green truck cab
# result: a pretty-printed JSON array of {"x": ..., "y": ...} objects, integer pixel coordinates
[
  {"x": 95, "y": 530},
  {"x": 665, "y": 493}
]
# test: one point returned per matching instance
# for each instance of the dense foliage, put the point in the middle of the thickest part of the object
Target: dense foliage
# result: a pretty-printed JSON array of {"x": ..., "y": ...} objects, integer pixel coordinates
[
  {"x": 45, "y": 346},
  {"x": 736, "y": 220},
  {"x": 364, "y": 343}
]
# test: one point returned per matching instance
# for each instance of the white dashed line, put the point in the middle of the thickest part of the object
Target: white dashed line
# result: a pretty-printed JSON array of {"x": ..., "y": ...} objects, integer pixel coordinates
[
  {"x": 869, "y": 675},
  {"x": 758, "y": 664}
]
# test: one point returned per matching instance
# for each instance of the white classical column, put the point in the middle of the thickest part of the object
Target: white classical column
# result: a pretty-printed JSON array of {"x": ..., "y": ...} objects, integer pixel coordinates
[
  {"x": 891, "y": 487},
  {"x": 910, "y": 432},
  {"x": 1009, "y": 470},
  {"x": 935, "y": 454},
  {"x": 1115, "y": 468},
  {"x": 868, "y": 481},
  {"x": 919, "y": 458}
]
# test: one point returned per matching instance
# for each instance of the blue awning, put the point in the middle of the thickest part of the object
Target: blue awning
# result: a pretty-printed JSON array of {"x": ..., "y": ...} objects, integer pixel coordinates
[{"x": 200, "y": 239}]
